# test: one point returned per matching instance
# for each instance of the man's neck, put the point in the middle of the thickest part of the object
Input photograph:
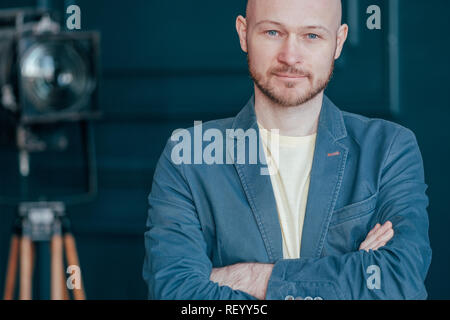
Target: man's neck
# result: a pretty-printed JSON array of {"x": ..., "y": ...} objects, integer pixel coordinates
[{"x": 296, "y": 121}]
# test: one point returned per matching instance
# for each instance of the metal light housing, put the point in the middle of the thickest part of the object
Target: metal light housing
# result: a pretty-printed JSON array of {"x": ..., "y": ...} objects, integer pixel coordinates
[{"x": 57, "y": 77}]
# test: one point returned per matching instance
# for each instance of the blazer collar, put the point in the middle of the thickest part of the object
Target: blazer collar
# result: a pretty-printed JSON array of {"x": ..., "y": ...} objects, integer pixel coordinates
[{"x": 330, "y": 119}]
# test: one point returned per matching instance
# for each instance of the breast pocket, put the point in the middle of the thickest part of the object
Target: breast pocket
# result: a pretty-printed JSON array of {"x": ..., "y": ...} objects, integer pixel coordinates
[
  {"x": 354, "y": 210},
  {"x": 349, "y": 226}
]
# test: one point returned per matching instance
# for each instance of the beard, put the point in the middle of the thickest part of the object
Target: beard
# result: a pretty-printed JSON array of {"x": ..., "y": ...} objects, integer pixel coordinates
[{"x": 289, "y": 101}]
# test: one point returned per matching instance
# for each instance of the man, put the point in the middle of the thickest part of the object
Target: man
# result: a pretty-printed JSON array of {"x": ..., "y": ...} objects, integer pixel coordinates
[{"x": 321, "y": 225}]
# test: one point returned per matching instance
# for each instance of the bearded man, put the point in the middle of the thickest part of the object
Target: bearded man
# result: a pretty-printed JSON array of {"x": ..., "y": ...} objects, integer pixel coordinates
[{"x": 342, "y": 214}]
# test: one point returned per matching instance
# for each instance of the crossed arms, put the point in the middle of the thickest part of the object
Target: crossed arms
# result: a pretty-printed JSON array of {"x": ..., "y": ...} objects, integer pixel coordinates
[
  {"x": 177, "y": 266},
  {"x": 253, "y": 278}
]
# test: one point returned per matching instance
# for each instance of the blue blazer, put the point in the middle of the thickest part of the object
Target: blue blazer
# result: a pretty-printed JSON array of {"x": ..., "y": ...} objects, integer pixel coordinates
[{"x": 365, "y": 171}]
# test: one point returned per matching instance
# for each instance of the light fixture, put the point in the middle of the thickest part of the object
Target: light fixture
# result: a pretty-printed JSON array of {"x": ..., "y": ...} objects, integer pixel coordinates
[{"x": 47, "y": 75}]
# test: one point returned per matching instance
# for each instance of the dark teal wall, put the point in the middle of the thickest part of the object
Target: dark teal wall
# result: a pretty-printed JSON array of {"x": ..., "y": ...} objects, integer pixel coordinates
[
  {"x": 168, "y": 63},
  {"x": 425, "y": 74}
]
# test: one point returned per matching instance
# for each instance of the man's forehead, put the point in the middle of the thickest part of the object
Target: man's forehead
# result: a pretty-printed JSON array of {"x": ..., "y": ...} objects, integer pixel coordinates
[{"x": 317, "y": 12}]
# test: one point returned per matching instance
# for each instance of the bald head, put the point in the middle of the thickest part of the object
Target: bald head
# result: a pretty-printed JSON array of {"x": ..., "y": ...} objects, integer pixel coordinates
[{"x": 333, "y": 8}]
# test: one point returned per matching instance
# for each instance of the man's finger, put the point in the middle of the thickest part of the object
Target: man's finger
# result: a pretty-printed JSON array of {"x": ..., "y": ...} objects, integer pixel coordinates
[
  {"x": 371, "y": 232},
  {"x": 379, "y": 241},
  {"x": 385, "y": 239},
  {"x": 382, "y": 244},
  {"x": 371, "y": 240},
  {"x": 386, "y": 226},
  {"x": 374, "y": 229}
]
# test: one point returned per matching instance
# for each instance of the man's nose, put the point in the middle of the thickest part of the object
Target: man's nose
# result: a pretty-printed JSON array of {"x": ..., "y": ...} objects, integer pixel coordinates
[{"x": 290, "y": 52}]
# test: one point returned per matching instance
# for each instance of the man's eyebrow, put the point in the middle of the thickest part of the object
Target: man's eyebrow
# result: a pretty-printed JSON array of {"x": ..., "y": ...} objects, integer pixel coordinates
[
  {"x": 317, "y": 27},
  {"x": 268, "y": 21}
]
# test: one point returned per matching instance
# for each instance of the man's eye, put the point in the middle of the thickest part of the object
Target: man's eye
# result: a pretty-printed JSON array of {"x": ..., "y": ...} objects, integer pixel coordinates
[
  {"x": 312, "y": 36},
  {"x": 272, "y": 33}
]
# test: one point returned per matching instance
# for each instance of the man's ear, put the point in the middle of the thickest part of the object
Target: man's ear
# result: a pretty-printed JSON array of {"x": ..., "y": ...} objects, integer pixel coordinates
[
  {"x": 341, "y": 37},
  {"x": 241, "y": 28}
]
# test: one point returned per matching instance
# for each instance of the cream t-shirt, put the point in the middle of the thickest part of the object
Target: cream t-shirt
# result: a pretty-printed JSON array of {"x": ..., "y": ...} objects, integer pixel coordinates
[{"x": 291, "y": 170}]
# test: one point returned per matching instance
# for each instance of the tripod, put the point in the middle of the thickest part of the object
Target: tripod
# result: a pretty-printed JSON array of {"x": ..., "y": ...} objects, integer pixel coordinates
[{"x": 43, "y": 222}]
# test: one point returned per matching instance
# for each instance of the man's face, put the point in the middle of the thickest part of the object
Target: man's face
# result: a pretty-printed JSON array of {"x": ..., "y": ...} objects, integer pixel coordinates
[{"x": 291, "y": 46}]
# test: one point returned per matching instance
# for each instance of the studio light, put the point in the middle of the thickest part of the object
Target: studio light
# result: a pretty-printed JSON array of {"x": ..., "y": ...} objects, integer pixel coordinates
[
  {"x": 49, "y": 83},
  {"x": 47, "y": 75},
  {"x": 54, "y": 77}
]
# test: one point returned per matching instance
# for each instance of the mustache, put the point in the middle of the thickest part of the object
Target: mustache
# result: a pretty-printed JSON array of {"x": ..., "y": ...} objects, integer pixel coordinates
[{"x": 291, "y": 71}]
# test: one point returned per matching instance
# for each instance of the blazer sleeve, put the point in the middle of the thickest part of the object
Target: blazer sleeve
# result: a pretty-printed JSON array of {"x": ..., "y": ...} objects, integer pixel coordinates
[
  {"x": 176, "y": 265},
  {"x": 395, "y": 271}
]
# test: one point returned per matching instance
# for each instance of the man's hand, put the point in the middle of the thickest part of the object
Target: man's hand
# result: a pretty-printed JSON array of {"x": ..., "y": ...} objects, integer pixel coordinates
[
  {"x": 378, "y": 237},
  {"x": 251, "y": 278}
]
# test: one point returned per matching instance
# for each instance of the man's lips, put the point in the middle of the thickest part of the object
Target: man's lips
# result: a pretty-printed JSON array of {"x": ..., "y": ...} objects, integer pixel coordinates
[{"x": 289, "y": 76}]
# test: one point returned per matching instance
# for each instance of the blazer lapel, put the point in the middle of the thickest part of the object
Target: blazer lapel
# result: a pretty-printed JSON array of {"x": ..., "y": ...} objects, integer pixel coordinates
[
  {"x": 258, "y": 187},
  {"x": 326, "y": 177}
]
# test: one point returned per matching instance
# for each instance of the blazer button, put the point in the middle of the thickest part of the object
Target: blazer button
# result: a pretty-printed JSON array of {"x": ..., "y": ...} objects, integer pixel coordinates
[{"x": 289, "y": 298}]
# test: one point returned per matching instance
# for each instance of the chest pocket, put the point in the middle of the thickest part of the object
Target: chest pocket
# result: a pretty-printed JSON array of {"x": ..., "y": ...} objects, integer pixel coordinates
[
  {"x": 354, "y": 211},
  {"x": 349, "y": 226}
]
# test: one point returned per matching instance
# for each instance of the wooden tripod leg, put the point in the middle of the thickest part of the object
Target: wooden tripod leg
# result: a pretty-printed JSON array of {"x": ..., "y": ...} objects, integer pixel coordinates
[
  {"x": 72, "y": 260},
  {"x": 26, "y": 268},
  {"x": 56, "y": 267},
  {"x": 33, "y": 255},
  {"x": 64, "y": 283},
  {"x": 10, "y": 282}
]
